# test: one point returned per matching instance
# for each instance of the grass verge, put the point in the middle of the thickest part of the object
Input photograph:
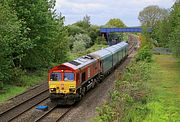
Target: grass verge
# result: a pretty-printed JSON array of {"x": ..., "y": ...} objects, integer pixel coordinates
[
  {"x": 9, "y": 91},
  {"x": 164, "y": 104},
  {"x": 26, "y": 81}
]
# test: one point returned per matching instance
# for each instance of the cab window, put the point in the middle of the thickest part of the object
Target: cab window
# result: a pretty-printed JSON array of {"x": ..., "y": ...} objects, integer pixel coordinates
[
  {"x": 68, "y": 76},
  {"x": 55, "y": 76}
]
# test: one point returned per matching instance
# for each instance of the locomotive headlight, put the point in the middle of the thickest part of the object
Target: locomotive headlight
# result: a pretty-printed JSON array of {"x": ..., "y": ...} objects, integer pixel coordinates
[
  {"x": 71, "y": 90},
  {"x": 53, "y": 89}
]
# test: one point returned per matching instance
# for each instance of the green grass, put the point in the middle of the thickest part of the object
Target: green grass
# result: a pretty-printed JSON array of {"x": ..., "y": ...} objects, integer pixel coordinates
[
  {"x": 26, "y": 81},
  {"x": 31, "y": 79},
  {"x": 164, "y": 105},
  {"x": 11, "y": 90}
]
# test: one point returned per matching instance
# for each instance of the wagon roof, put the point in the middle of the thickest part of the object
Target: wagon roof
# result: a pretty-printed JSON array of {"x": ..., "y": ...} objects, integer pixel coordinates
[
  {"x": 103, "y": 53},
  {"x": 108, "y": 51}
]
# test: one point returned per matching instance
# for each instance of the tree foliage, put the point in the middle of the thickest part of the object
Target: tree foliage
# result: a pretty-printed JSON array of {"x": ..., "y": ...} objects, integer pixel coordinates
[
  {"x": 115, "y": 22},
  {"x": 85, "y": 23},
  {"x": 166, "y": 28},
  {"x": 82, "y": 38},
  {"x": 101, "y": 40},
  {"x": 79, "y": 46},
  {"x": 40, "y": 23},
  {"x": 12, "y": 42},
  {"x": 83, "y": 27},
  {"x": 32, "y": 36},
  {"x": 174, "y": 36},
  {"x": 150, "y": 15}
]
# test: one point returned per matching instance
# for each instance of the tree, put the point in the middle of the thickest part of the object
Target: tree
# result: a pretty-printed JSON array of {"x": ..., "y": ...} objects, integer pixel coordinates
[
  {"x": 160, "y": 32},
  {"x": 39, "y": 20},
  {"x": 79, "y": 46},
  {"x": 93, "y": 33},
  {"x": 82, "y": 38},
  {"x": 174, "y": 36},
  {"x": 85, "y": 23},
  {"x": 115, "y": 23},
  {"x": 59, "y": 46},
  {"x": 74, "y": 29},
  {"x": 150, "y": 15},
  {"x": 101, "y": 40},
  {"x": 12, "y": 43}
]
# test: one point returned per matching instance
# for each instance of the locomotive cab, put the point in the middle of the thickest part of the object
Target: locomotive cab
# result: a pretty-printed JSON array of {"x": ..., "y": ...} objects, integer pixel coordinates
[{"x": 62, "y": 80}]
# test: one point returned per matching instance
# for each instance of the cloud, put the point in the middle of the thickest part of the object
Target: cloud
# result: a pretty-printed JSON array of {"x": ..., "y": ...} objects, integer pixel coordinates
[{"x": 103, "y": 10}]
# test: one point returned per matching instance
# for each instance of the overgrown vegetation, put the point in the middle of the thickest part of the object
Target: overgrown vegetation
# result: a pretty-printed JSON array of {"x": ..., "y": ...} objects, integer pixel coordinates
[
  {"x": 144, "y": 54},
  {"x": 128, "y": 100}
]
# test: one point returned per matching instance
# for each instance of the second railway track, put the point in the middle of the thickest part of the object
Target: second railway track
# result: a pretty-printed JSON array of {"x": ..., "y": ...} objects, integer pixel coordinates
[{"x": 38, "y": 95}]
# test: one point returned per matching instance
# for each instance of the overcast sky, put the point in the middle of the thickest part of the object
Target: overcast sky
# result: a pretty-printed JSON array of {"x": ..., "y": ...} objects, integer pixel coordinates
[{"x": 101, "y": 11}]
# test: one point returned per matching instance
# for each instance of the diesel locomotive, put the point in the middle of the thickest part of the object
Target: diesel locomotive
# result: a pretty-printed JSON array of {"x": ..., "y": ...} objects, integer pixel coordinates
[{"x": 68, "y": 82}]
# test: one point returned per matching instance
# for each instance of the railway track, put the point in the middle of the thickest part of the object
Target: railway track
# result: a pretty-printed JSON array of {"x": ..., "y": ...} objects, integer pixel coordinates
[
  {"x": 54, "y": 114},
  {"x": 39, "y": 94}
]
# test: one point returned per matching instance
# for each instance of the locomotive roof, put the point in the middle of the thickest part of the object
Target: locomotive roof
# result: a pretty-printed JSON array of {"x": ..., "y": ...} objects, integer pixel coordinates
[{"x": 80, "y": 62}]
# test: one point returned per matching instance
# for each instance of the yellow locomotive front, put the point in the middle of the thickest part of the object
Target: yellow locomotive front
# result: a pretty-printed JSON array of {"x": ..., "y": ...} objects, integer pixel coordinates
[
  {"x": 62, "y": 85},
  {"x": 62, "y": 82}
]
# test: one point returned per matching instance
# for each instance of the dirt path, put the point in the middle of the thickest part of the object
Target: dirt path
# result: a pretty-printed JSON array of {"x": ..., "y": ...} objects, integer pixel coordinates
[{"x": 165, "y": 84}]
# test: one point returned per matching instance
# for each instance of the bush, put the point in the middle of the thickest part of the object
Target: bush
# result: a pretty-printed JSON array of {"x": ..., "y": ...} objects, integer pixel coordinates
[
  {"x": 144, "y": 54},
  {"x": 79, "y": 46},
  {"x": 101, "y": 40},
  {"x": 82, "y": 38}
]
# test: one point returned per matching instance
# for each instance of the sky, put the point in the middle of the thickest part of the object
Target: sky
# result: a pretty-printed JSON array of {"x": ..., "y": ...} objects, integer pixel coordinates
[{"x": 100, "y": 11}]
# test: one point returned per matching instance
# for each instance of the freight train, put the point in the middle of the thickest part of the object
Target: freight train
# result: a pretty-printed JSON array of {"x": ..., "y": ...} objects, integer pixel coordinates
[{"x": 70, "y": 81}]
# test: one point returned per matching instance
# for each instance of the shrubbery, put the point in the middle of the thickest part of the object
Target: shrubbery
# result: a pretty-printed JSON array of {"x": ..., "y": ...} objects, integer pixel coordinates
[
  {"x": 127, "y": 101},
  {"x": 144, "y": 54}
]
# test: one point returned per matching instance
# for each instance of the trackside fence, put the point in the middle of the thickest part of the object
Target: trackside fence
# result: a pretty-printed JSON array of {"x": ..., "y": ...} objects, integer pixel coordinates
[{"x": 161, "y": 50}]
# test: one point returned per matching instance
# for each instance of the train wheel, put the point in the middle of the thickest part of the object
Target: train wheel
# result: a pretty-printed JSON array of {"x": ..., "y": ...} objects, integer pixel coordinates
[
  {"x": 83, "y": 91},
  {"x": 94, "y": 82}
]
